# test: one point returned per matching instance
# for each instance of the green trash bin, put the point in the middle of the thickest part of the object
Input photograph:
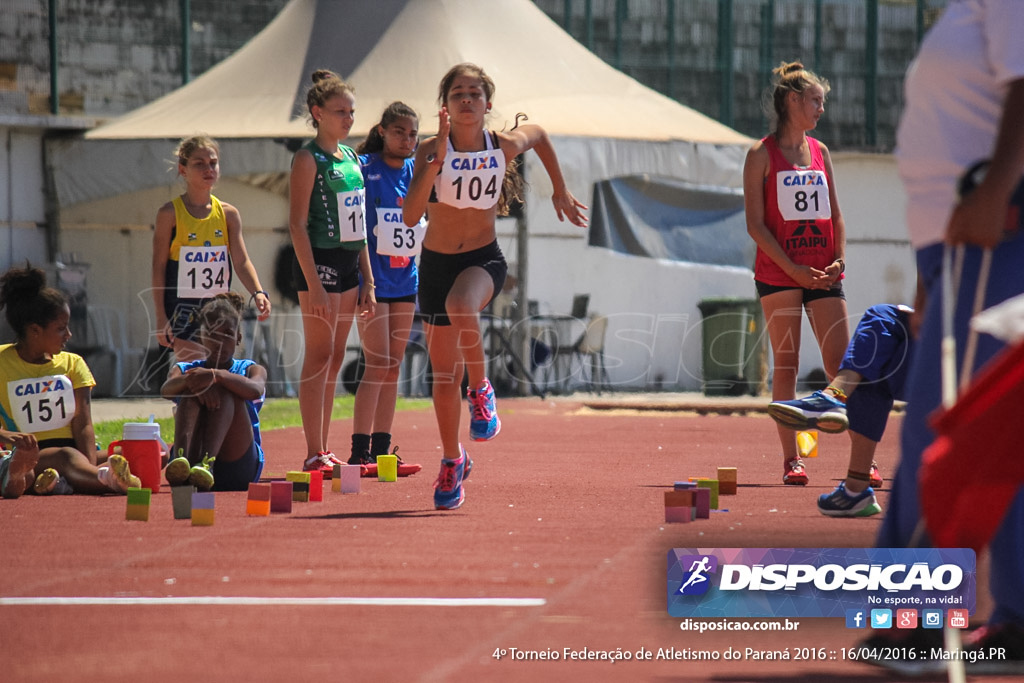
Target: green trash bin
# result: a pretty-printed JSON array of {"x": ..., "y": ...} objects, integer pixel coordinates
[{"x": 734, "y": 346}]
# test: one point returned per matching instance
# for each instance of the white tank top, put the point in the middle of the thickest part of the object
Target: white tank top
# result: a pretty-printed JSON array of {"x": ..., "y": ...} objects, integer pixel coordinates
[{"x": 471, "y": 180}]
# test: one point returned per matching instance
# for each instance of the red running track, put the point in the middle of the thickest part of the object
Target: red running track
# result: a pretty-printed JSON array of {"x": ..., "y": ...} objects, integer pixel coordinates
[{"x": 564, "y": 507}]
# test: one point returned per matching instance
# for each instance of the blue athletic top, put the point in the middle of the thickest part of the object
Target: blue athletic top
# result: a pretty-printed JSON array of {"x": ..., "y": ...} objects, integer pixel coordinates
[
  {"x": 386, "y": 187},
  {"x": 239, "y": 366}
]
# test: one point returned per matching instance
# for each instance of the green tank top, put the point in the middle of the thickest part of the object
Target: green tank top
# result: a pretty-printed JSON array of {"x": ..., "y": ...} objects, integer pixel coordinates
[{"x": 336, "y": 204}]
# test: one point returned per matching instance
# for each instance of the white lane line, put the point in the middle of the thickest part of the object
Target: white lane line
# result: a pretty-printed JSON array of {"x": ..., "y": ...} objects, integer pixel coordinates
[{"x": 301, "y": 602}]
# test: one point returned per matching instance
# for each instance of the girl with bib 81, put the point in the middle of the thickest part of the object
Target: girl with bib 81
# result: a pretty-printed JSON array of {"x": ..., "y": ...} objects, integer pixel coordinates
[{"x": 792, "y": 212}]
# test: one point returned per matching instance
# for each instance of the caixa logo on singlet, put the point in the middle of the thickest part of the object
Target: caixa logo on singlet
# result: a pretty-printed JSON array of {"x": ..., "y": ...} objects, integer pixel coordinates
[{"x": 696, "y": 579}]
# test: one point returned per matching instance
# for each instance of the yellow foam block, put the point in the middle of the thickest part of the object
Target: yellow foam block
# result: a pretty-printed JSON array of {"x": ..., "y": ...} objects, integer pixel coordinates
[
  {"x": 807, "y": 443},
  {"x": 138, "y": 513},
  {"x": 202, "y": 517}
]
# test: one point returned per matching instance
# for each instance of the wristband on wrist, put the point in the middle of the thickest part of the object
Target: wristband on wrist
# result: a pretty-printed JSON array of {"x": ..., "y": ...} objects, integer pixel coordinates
[
  {"x": 259, "y": 291},
  {"x": 842, "y": 265}
]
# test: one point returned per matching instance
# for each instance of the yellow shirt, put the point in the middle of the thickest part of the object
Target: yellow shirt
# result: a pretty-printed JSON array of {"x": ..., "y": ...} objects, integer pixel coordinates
[{"x": 40, "y": 399}]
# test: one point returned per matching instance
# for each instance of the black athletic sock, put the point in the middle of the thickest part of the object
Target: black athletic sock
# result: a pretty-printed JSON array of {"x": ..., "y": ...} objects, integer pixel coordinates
[
  {"x": 380, "y": 443},
  {"x": 360, "y": 449}
]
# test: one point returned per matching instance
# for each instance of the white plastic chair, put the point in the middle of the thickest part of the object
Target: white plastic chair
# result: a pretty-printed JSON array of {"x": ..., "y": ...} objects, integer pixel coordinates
[{"x": 108, "y": 333}]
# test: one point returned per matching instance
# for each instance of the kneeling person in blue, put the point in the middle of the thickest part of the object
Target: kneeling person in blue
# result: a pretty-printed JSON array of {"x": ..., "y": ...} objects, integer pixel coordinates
[
  {"x": 871, "y": 377},
  {"x": 216, "y": 424}
]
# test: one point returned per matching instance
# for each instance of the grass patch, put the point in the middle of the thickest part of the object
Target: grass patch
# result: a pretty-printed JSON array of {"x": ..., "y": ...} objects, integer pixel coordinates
[{"x": 277, "y": 413}]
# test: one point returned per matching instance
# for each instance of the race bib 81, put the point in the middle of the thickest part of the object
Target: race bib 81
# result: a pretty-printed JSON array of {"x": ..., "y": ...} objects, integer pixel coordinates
[{"x": 803, "y": 195}]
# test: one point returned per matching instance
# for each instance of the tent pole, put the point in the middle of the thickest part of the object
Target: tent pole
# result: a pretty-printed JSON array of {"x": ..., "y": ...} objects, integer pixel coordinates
[
  {"x": 186, "y": 41},
  {"x": 54, "y": 55},
  {"x": 521, "y": 329}
]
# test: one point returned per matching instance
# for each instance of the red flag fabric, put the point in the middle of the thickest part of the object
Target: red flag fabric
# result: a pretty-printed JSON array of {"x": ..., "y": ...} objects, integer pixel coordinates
[{"x": 971, "y": 472}]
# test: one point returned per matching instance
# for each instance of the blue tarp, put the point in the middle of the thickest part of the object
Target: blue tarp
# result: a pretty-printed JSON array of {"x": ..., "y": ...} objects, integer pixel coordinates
[{"x": 671, "y": 219}]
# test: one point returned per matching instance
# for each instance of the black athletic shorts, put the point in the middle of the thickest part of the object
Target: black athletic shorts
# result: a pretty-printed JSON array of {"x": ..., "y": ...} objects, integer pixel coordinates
[
  {"x": 337, "y": 268},
  {"x": 836, "y": 291},
  {"x": 438, "y": 273}
]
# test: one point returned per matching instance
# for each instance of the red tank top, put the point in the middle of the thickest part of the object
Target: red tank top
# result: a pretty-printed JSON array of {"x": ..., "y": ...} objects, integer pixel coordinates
[{"x": 797, "y": 212}]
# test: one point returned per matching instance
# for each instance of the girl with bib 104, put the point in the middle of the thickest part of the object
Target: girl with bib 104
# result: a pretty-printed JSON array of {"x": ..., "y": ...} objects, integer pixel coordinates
[{"x": 463, "y": 179}]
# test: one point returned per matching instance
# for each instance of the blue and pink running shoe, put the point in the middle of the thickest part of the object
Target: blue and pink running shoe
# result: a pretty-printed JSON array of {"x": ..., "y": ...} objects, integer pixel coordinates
[
  {"x": 484, "y": 424},
  {"x": 448, "y": 491}
]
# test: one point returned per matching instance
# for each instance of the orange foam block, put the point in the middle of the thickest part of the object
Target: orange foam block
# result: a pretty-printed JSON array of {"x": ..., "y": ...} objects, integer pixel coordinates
[
  {"x": 727, "y": 481},
  {"x": 258, "y": 502}
]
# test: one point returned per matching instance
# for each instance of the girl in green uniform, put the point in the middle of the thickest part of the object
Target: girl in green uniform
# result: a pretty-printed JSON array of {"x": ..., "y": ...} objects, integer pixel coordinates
[{"x": 329, "y": 235}]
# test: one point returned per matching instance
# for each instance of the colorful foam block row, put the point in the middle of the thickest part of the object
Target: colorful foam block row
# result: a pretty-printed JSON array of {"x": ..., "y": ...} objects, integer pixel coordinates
[
  {"x": 684, "y": 485},
  {"x": 280, "y": 496},
  {"x": 181, "y": 498}
]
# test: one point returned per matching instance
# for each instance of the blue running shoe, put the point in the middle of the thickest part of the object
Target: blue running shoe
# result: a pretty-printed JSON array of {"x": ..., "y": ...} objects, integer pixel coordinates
[
  {"x": 817, "y": 411},
  {"x": 839, "y": 503},
  {"x": 484, "y": 424},
  {"x": 448, "y": 491}
]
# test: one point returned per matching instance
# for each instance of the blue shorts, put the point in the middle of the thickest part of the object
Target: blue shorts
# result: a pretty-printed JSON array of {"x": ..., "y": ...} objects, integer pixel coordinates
[
  {"x": 880, "y": 351},
  {"x": 237, "y": 475}
]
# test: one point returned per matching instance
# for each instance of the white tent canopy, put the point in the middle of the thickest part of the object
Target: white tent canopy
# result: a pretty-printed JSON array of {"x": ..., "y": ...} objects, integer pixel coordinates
[{"x": 398, "y": 50}]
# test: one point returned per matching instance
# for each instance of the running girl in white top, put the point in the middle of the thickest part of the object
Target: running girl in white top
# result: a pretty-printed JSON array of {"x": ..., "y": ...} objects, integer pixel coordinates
[{"x": 463, "y": 179}]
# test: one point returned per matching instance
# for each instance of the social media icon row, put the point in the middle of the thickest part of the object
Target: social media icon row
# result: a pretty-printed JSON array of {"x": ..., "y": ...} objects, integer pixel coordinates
[{"x": 905, "y": 618}]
